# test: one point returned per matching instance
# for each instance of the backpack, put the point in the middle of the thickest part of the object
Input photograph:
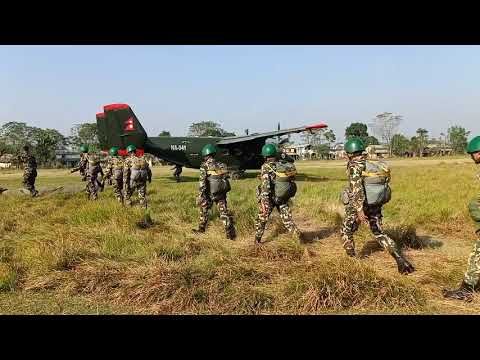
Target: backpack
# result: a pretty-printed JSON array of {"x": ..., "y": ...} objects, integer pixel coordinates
[
  {"x": 218, "y": 181},
  {"x": 376, "y": 179},
  {"x": 285, "y": 186},
  {"x": 139, "y": 170}
]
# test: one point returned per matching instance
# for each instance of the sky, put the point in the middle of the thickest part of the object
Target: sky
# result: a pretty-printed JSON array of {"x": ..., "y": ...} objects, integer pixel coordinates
[{"x": 240, "y": 87}]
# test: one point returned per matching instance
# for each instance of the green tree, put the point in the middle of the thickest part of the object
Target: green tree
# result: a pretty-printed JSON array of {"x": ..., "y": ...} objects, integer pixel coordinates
[
  {"x": 458, "y": 138},
  {"x": 14, "y": 135},
  {"x": 421, "y": 140},
  {"x": 208, "y": 128},
  {"x": 85, "y": 133},
  {"x": 164, "y": 133},
  {"x": 400, "y": 144},
  {"x": 46, "y": 141},
  {"x": 356, "y": 130}
]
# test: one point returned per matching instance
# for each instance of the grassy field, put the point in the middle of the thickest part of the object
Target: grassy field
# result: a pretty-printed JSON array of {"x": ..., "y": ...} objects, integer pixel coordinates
[{"x": 61, "y": 254}]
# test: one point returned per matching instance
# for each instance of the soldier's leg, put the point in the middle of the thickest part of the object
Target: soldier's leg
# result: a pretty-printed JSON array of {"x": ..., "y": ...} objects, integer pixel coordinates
[
  {"x": 205, "y": 204},
  {"x": 117, "y": 189},
  {"x": 142, "y": 194},
  {"x": 349, "y": 227},
  {"x": 226, "y": 218},
  {"x": 264, "y": 210},
  {"x": 287, "y": 219},
  {"x": 128, "y": 191},
  {"x": 374, "y": 214},
  {"x": 473, "y": 269}
]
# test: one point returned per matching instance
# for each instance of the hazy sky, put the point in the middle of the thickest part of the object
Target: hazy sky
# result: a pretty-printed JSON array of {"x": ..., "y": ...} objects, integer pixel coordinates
[{"x": 254, "y": 87}]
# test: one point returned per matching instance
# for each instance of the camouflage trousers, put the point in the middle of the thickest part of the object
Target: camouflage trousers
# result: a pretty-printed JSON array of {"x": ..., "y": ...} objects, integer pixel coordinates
[
  {"x": 91, "y": 187},
  {"x": 206, "y": 203},
  {"x": 265, "y": 208},
  {"x": 28, "y": 182},
  {"x": 140, "y": 188},
  {"x": 473, "y": 269},
  {"x": 351, "y": 225},
  {"x": 117, "y": 185}
]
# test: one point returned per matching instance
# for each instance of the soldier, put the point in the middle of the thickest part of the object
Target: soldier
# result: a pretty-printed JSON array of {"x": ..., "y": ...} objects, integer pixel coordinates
[
  {"x": 472, "y": 275},
  {"x": 114, "y": 173},
  {"x": 358, "y": 210},
  {"x": 82, "y": 165},
  {"x": 29, "y": 170},
  {"x": 267, "y": 196},
  {"x": 93, "y": 169},
  {"x": 213, "y": 187},
  {"x": 136, "y": 173},
  {"x": 177, "y": 172}
]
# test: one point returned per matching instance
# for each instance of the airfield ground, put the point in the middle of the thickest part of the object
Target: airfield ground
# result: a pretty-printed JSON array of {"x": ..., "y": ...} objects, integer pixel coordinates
[{"x": 60, "y": 254}]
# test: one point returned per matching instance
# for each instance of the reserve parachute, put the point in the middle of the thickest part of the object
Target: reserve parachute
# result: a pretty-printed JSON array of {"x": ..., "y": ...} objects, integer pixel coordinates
[
  {"x": 285, "y": 186},
  {"x": 218, "y": 182},
  {"x": 139, "y": 170}
]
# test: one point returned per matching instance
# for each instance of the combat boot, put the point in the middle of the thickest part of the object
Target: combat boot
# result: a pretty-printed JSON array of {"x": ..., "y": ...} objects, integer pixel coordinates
[
  {"x": 404, "y": 267},
  {"x": 464, "y": 292},
  {"x": 231, "y": 233},
  {"x": 258, "y": 240},
  {"x": 198, "y": 231}
]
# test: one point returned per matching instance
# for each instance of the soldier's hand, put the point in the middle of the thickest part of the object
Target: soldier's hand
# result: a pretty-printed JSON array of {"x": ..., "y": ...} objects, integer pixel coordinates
[{"x": 362, "y": 217}]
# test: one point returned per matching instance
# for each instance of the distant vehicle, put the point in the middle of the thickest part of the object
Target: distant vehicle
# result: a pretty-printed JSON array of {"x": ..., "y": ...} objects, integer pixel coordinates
[{"x": 118, "y": 126}]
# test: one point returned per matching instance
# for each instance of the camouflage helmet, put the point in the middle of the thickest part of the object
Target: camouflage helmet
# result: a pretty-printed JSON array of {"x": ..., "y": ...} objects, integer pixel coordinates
[
  {"x": 269, "y": 150},
  {"x": 84, "y": 148},
  {"x": 354, "y": 145},
  {"x": 113, "y": 151},
  {"x": 209, "y": 149},
  {"x": 474, "y": 145},
  {"x": 131, "y": 148}
]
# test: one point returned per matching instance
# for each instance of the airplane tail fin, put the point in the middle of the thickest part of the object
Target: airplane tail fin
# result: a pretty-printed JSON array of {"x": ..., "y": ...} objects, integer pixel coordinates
[{"x": 118, "y": 126}]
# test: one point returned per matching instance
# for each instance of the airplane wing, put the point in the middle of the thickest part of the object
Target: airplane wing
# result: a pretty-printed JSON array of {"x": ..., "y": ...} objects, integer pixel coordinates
[{"x": 238, "y": 139}]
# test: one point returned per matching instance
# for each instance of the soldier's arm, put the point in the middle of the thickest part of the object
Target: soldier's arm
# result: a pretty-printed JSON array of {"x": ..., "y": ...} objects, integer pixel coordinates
[
  {"x": 149, "y": 173},
  {"x": 356, "y": 187},
  {"x": 266, "y": 184},
  {"x": 126, "y": 172},
  {"x": 202, "y": 183}
]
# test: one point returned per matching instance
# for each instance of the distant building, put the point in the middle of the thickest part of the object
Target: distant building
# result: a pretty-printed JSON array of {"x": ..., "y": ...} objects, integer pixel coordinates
[
  {"x": 67, "y": 158},
  {"x": 377, "y": 151},
  {"x": 6, "y": 161},
  {"x": 301, "y": 151}
]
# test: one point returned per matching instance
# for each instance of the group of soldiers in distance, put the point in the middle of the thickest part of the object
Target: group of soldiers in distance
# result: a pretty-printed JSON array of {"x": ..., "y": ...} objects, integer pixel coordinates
[{"x": 368, "y": 190}]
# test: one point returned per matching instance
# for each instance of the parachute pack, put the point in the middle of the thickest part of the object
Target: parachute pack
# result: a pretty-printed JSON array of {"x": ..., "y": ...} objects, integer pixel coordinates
[
  {"x": 285, "y": 187},
  {"x": 218, "y": 181},
  {"x": 139, "y": 170},
  {"x": 376, "y": 179}
]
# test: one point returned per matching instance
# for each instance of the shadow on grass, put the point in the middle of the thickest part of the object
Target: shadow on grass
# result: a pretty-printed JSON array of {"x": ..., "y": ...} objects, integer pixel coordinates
[
  {"x": 316, "y": 235},
  {"x": 405, "y": 237},
  {"x": 311, "y": 178}
]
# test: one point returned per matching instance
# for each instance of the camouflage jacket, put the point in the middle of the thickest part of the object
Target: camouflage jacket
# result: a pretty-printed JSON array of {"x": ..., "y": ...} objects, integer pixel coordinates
[
  {"x": 130, "y": 162},
  {"x": 28, "y": 160},
  {"x": 82, "y": 164},
  {"x": 206, "y": 166},
  {"x": 355, "y": 168},
  {"x": 267, "y": 176},
  {"x": 114, "y": 163}
]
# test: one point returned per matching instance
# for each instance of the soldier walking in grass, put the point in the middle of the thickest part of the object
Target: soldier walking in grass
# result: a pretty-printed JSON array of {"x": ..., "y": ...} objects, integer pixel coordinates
[
  {"x": 136, "y": 173},
  {"x": 93, "y": 170},
  {"x": 213, "y": 188},
  {"x": 114, "y": 173},
  {"x": 177, "y": 172},
  {"x": 472, "y": 275},
  {"x": 82, "y": 165},
  {"x": 368, "y": 191},
  {"x": 29, "y": 170},
  {"x": 276, "y": 189}
]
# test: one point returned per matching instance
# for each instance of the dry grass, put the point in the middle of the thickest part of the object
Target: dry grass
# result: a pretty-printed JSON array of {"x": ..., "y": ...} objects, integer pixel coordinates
[{"x": 97, "y": 257}]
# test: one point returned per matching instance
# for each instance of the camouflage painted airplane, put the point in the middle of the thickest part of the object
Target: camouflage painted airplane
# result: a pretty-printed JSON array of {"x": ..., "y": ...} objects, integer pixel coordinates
[{"x": 118, "y": 126}]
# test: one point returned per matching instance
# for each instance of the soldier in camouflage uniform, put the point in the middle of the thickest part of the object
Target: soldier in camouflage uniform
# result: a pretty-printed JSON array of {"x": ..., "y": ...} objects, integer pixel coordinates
[
  {"x": 472, "y": 275},
  {"x": 29, "y": 170},
  {"x": 266, "y": 197},
  {"x": 177, "y": 172},
  {"x": 136, "y": 173},
  {"x": 82, "y": 165},
  {"x": 114, "y": 173},
  {"x": 93, "y": 169},
  {"x": 206, "y": 198},
  {"x": 357, "y": 209}
]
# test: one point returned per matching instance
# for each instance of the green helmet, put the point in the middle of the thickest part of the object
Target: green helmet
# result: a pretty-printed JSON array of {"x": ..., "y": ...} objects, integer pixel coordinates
[
  {"x": 84, "y": 148},
  {"x": 113, "y": 151},
  {"x": 474, "y": 145},
  {"x": 269, "y": 150},
  {"x": 209, "y": 149},
  {"x": 131, "y": 148},
  {"x": 354, "y": 145}
]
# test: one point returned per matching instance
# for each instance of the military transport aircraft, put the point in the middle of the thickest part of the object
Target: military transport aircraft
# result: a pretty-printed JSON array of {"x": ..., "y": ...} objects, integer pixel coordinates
[{"x": 118, "y": 126}]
